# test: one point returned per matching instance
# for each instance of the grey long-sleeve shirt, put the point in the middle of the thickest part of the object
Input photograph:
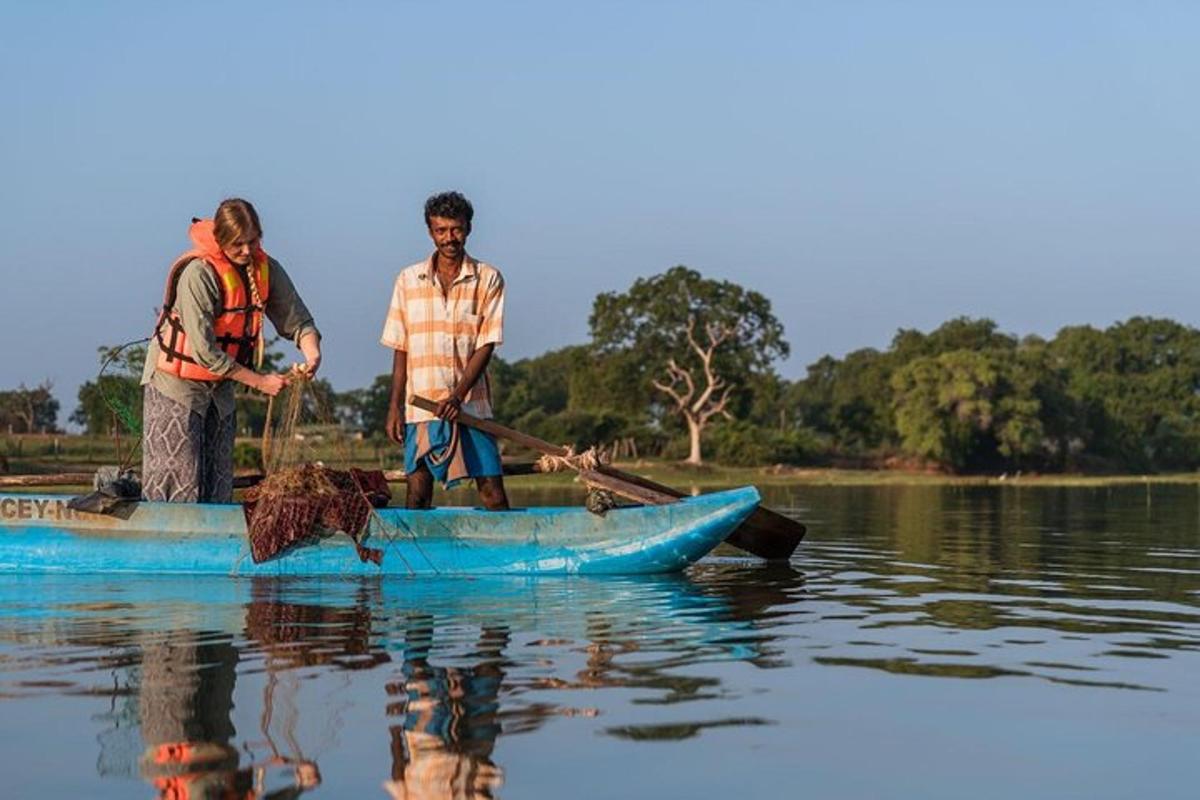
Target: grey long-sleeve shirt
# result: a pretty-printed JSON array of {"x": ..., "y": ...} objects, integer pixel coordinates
[{"x": 197, "y": 301}]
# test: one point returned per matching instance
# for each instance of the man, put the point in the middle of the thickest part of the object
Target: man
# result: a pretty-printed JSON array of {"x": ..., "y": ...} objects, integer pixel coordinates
[{"x": 445, "y": 319}]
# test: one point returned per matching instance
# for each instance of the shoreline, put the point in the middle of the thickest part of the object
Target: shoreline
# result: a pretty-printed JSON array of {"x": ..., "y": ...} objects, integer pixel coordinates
[{"x": 49, "y": 453}]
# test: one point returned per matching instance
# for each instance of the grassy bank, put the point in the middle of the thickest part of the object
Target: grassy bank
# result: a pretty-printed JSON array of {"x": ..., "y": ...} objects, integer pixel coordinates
[
  {"x": 718, "y": 476},
  {"x": 39, "y": 454}
]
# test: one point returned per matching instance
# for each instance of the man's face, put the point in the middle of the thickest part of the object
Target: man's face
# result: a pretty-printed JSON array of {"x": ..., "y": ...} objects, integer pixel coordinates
[
  {"x": 449, "y": 236},
  {"x": 241, "y": 251}
]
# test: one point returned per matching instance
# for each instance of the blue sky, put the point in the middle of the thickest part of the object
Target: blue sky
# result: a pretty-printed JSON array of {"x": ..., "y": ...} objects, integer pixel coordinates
[{"x": 867, "y": 165}]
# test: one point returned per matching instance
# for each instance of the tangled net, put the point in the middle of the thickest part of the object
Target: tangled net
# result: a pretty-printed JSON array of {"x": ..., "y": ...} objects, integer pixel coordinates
[{"x": 299, "y": 504}]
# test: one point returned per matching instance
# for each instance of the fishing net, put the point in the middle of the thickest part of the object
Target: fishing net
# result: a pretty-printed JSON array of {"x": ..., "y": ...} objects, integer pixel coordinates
[
  {"x": 298, "y": 502},
  {"x": 303, "y": 504}
]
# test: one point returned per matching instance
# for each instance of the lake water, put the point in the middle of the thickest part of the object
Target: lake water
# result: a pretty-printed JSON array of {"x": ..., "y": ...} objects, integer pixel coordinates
[{"x": 924, "y": 642}]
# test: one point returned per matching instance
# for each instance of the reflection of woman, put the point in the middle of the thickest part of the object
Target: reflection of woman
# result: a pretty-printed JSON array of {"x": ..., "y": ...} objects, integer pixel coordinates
[
  {"x": 185, "y": 701},
  {"x": 185, "y": 698},
  {"x": 209, "y": 334}
]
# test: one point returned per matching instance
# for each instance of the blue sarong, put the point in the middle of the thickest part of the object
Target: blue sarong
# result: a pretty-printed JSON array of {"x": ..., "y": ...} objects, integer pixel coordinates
[{"x": 450, "y": 451}]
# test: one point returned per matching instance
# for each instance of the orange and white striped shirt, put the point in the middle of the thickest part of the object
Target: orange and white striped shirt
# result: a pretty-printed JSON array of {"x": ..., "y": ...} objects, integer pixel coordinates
[{"x": 441, "y": 331}]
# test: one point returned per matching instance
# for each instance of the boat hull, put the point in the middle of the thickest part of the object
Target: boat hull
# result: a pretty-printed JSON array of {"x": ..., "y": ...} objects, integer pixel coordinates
[{"x": 39, "y": 533}]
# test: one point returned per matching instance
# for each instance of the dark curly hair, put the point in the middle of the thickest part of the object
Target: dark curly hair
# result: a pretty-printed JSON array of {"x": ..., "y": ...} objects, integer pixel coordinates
[{"x": 451, "y": 205}]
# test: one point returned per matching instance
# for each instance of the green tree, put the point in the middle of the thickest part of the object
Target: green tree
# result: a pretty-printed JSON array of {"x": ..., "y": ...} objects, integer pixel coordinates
[
  {"x": 107, "y": 402},
  {"x": 29, "y": 410},
  {"x": 943, "y": 403},
  {"x": 366, "y": 408},
  {"x": 849, "y": 399},
  {"x": 114, "y": 397},
  {"x": 1137, "y": 388},
  {"x": 693, "y": 340},
  {"x": 542, "y": 383}
]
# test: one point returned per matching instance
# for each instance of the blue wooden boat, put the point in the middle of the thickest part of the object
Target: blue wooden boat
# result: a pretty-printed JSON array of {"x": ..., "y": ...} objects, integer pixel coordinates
[{"x": 40, "y": 533}]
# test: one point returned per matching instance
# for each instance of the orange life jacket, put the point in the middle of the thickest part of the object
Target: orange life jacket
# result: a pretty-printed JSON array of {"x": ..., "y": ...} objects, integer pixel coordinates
[
  {"x": 192, "y": 769},
  {"x": 238, "y": 323}
]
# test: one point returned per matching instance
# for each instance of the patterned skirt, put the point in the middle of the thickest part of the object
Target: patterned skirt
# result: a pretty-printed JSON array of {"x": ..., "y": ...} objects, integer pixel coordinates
[{"x": 186, "y": 457}]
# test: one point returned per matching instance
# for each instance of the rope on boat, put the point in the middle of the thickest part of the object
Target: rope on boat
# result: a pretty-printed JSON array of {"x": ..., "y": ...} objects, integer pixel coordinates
[{"x": 587, "y": 460}]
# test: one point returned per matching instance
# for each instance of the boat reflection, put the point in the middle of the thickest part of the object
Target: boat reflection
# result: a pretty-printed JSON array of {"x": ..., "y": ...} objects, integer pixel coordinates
[{"x": 207, "y": 674}]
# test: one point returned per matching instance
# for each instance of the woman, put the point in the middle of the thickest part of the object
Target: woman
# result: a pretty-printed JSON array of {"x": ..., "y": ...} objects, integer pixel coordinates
[{"x": 209, "y": 334}]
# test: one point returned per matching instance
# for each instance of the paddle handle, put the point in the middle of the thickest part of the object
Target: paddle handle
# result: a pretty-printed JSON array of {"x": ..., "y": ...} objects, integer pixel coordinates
[
  {"x": 629, "y": 486},
  {"x": 494, "y": 428}
]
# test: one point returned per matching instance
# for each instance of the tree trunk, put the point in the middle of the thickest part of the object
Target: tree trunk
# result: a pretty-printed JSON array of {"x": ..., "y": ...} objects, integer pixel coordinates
[{"x": 694, "y": 433}]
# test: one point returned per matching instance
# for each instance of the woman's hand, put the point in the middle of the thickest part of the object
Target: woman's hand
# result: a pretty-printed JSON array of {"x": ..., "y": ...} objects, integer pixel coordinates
[
  {"x": 310, "y": 346},
  {"x": 267, "y": 384},
  {"x": 271, "y": 384}
]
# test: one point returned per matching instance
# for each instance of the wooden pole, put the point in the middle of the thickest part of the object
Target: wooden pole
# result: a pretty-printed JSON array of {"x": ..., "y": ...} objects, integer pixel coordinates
[
  {"x": 239, "y": 481},
  {"x": 59, "y": 479},
  {"x": 765, "y": 533}
]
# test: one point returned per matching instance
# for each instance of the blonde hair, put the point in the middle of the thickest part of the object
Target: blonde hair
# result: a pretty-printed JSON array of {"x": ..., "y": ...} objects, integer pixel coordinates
[{"x": 235, "y": 219}]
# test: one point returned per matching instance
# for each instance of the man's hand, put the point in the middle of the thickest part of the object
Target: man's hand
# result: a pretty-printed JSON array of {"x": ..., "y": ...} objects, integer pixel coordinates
[
  {"x": 394, "y": 427},
  {"x": 448, "y": 409}
]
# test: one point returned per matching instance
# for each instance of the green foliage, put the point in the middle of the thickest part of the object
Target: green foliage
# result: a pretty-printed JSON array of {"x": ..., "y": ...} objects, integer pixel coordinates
[
  {"x": 966, "y": 396},
  {"x": 1137, "y": 389},
  {"x": 540, "y": 383},
  {"x": 960, "y": 333},
  {"x": 647, "y": 325},
  {"x": 744, "y": 444},
  {"x": 113, "y": 400},
  {"x": 961, "y": 408},
  {"x": 247, "y": 456},
  {"x": 667, "y": 319},
  {"x": 849, "y": 399},
  {"x": 365, "y": 409},
  {"x": 108, "y": 401},
  {"x": 580, "y": 429},
  {"x": 969, "y": 397}
]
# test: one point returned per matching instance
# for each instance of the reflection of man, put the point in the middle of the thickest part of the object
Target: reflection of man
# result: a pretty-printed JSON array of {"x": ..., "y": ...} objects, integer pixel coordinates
[
  {"x": 444, "y": 746},
  {"x": 445, "y": 319}
]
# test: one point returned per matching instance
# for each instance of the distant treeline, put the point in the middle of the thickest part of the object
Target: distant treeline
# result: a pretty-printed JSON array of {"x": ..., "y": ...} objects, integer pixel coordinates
[
  {"x": 970, "y": 398},
  {"x": 964, "y": 397},
  {"x": 681, "y": 360},
  {"x": 26, "y": 410}
]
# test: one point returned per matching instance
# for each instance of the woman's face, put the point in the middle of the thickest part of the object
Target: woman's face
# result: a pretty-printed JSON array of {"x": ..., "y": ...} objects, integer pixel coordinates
[{"x": 241, "y": 251}]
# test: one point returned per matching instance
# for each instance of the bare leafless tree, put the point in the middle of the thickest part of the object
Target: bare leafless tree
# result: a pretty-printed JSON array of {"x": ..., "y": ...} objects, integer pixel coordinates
[{"x": 698, "y": 405}]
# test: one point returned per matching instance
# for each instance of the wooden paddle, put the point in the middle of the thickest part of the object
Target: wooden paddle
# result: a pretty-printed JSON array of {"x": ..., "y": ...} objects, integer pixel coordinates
[
  {"x": 765, "y": 533},
  {"x": 56, "y": 479}
]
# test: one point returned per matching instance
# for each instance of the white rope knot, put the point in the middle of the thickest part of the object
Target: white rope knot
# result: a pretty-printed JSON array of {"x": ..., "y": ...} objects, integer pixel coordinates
[{"x": 589, "y": 459}]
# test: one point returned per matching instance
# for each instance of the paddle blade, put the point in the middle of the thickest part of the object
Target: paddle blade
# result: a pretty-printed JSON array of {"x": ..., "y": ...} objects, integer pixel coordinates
[{"x": 768, "y": 534}]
